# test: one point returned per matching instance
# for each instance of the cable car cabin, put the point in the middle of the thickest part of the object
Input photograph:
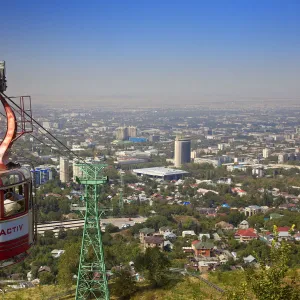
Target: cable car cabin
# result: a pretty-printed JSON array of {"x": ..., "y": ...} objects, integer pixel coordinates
[{"x": 16, "y": 215}]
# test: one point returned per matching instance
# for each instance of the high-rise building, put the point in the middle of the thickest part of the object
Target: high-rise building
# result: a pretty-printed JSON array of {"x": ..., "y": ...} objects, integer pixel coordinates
[
  {"x": 42, "y": 175},
  {"x": 46, "y": 124},
  {"x": 122, "y": 133},
  {"x": 223, "y": 146},
  {"x": 266, "y": 153},
  {"x": 194, "y": 154},
  {"x": 182, "y": 153},
  {"x": 64, "y": 174},
  {"x": 282, "y": 158},
  {"x": 77, "y": 172},
  {"x": 132, "y": 131},
  {"x": 154, "y": 138}
]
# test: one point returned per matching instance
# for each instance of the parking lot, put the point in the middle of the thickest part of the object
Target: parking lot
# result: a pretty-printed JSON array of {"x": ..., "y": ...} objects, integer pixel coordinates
[{"x": 120, "y": 221}]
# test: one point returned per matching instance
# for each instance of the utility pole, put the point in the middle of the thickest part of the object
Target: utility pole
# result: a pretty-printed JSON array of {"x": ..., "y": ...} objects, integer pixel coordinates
[{"x": 92, "y": 280}]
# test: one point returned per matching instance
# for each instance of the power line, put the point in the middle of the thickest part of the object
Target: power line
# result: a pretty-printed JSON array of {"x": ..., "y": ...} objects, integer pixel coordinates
[
  {"x": 42, "y": 142},
  {"x": 45, "y": 130},
  {"x": 49, "y": 133},
  {"x": 41, "y": 126}
]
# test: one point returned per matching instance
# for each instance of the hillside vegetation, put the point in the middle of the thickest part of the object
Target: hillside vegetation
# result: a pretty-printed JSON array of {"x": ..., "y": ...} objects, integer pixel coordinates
[{"x": 189, "y": 289}]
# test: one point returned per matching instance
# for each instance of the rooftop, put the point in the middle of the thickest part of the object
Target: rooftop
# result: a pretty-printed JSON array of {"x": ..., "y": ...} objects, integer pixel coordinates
[
  {"x": 246, "y": 232},
  {"x": 154, "y": 239},
  {"x": 159, "y": 171},
  {"x": 147, "y": 230},
  {"x": 204, "y": 245}
]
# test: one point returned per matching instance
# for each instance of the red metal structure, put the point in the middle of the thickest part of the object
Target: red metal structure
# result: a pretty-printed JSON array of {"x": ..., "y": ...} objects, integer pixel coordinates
[{"x": 17, "y": 230}]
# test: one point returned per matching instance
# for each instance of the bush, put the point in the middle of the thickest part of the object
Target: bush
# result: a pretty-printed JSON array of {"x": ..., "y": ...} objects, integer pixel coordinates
[
  {"x": 110, "y": 228},
  {"x": 46, "y": 278},
  {"x": 124, "y": 285}
]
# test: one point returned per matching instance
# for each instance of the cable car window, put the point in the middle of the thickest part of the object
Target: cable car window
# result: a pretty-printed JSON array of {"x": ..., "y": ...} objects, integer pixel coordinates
[
  {"x": 14, "y": 201},
  {"x": 11, "y": 179}
]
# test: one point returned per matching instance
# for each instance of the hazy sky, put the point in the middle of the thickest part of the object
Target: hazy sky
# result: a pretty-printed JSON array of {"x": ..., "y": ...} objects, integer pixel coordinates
[{"x": 158, "y": 50}]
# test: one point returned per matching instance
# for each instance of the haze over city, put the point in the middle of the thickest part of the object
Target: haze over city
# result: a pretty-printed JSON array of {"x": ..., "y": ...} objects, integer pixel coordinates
[{"x": 152, "y": 52}]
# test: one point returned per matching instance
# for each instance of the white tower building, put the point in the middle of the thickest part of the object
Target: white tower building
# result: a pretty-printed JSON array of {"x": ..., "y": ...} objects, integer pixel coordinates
[
  {"x": 182, "y": 153},
  {"x": 64, "y": 174}
]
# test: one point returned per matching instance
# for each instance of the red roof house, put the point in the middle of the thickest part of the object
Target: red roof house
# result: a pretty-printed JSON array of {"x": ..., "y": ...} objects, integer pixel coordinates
[{"x": 246, "y": 235}]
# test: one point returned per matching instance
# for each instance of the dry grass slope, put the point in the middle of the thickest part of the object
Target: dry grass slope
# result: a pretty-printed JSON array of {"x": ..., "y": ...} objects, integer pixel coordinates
[{"x": 189, "y": 289}]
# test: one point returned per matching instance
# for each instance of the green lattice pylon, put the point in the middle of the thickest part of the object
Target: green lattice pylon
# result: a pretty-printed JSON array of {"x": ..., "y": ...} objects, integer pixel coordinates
[{"x": 92, "y": 280}]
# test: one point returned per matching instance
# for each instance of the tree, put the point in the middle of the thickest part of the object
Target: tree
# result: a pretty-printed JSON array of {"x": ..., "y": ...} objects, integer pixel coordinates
[
  {"x": 110, "y": 228},
  {"x": 68, "y": 263},
  {"x": 130, "y": 178},
  {"x": 154, "y": 264},
  {"x": 256, "y": 221},
  {"x": 124, "y": 285},
  {"x": 156, "y": 222},
  {"x": 235, "y": 218}
]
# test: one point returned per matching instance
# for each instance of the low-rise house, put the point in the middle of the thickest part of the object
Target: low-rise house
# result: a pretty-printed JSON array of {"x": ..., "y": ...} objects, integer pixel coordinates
[
  {"x": 192, "y": 266},
  {"x": 205, "y": 235},
  {"x": 249, "y": 259},
  {"x": 202, "y": 248},
  {"x": 284, "y": 233},
  {"x": 224, "y": 226},
  {"x": 145, "y": 232},
  {"x": 203, "y": 266},
  {"x": 164, "y": 229},
  {"x": 244, "y": 225},
  {"x": 238, "y": 191},
  {"x": 170, "y": 236},
  {"x": 187, "y": 250},
  {"x": 154, "y": 241},
  {"x": 246, "y": 235},
  {"x": 188, "y": 232},
  {"x": 252, "y": 210}
]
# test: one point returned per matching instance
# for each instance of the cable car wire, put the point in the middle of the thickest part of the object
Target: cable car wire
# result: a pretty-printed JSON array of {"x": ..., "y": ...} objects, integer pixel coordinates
[
  {"x": 42, "y": 142},
  {"x": 41, "y": 126}
]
